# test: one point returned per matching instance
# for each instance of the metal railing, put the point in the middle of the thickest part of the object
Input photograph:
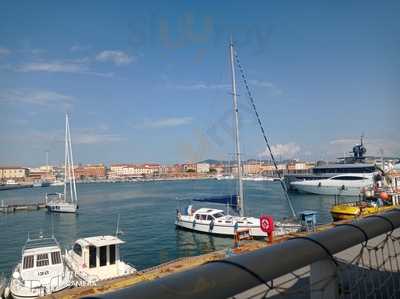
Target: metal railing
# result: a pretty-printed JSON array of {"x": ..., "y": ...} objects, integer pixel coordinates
[{"x": 234, "y": 275}]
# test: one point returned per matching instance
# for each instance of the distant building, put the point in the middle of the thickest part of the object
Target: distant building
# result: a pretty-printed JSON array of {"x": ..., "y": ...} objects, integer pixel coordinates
[
  {"x": 13, "y": 173},
  {"x": 202, "y": 167},
  {"x": 134, "y": 170},
  {"x": 189, "y": 167},
  {"x": 92, "y": 171}
]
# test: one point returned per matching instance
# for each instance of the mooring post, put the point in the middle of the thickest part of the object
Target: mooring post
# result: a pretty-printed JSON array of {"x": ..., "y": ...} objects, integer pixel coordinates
[{"x": 323, "y": 280}]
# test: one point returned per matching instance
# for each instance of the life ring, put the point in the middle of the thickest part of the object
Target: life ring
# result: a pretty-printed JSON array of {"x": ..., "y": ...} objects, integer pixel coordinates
[{"x": 267, "y": 224}]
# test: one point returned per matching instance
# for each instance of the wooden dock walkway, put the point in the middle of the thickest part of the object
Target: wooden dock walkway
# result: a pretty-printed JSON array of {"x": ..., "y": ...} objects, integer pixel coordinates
[{"x": 12, "y": 208}]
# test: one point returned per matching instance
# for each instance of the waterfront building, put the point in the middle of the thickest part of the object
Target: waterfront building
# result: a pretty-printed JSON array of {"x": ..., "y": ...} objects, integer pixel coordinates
[
  {"x": 92, "y": 171},
  {"x": 13, "y": 173},
  {"x": 134, "y": 170},
  {"x": 202, "y": 168}
]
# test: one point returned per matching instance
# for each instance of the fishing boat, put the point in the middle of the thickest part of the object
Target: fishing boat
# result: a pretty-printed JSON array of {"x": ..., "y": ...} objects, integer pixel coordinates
[
  {"x": 42, "y": 270},
  {"x": 61, "y": 203},
  {"x": 216, "y": 221},
  {"x": 97, "y": 258}
]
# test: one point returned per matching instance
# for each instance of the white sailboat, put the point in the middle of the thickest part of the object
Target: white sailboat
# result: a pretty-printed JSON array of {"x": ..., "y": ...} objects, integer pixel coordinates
[
  {"x": 60, "y": 203},
  {"x": 215, "y": 221}
]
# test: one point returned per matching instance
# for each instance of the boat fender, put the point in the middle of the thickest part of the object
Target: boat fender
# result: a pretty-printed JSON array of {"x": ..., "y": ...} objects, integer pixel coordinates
[
  {"x": 194, "y": 222},
  {"x": 319, "y": 184},
  {"x": 343, "y": 187},
  {"x": 212, "y": 224}
]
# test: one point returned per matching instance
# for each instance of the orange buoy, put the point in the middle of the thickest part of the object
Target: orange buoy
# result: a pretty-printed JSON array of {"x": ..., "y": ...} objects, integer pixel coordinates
[{"x": 384, "y": 196}]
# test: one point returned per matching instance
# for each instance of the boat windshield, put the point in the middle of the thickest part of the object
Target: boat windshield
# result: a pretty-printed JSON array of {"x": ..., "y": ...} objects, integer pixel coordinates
[{"x": 218, "y": 215}]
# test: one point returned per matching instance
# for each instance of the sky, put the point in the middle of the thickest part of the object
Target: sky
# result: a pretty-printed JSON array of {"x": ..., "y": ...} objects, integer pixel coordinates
[{"x": 150, "y": 81}]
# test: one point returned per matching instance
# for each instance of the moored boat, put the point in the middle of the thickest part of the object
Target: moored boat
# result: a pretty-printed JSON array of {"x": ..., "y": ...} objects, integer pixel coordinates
[
  {"x": 61, "y": 203},
  {"x": 42, "y": 270},
  {"x": 97, "y": 258},
  {"x": 365, "y": 207}
]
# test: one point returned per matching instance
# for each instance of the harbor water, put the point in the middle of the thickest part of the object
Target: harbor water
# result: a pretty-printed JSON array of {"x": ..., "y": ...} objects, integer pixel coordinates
[{"x": 147, "y": 213}]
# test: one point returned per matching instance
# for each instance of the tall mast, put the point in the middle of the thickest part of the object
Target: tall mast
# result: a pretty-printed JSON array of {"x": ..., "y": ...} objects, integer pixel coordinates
[
  {"x": 236, "y": 112},
  {"x": 66, "y": 157}
]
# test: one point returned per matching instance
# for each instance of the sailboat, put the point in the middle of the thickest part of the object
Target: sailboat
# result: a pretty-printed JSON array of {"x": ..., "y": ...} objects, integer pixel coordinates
[
  {"x": 215, "y": 221},
  {"x": 59, "y": 202}
]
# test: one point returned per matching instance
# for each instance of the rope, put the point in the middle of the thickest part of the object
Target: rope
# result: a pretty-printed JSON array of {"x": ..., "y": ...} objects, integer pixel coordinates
[{"x": 252, "y": 102}]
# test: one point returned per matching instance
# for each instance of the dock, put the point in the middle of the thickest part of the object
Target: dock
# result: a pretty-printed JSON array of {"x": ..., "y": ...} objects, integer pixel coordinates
[{"x": 12, "y": 208}]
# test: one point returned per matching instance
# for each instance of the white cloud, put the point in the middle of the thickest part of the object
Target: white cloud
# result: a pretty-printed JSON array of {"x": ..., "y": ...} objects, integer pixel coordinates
[
  {"x": 114, "y": 56},
  {"x": 166, "y": 122},
  {"x": 36, "y": 97},
  {"x": 288, "y": 150},
  {"x": 266, "y": 84},
  {"x": 95, "y": 138},
  {"x": 4, "y": 51},
  {"x": 201, "y": 86},
  {"x": 52, "y": 67}
]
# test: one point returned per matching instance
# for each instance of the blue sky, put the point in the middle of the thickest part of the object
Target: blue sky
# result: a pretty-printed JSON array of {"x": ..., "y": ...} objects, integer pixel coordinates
[{"x": 150, "y": 81}]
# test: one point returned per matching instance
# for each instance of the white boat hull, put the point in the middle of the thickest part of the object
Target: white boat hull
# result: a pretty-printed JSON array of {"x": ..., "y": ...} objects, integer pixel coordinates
[
  {"x": 62, "y": 207},
  {"x": 336, "y": 185},
  {"x": 228, "y": 229}
]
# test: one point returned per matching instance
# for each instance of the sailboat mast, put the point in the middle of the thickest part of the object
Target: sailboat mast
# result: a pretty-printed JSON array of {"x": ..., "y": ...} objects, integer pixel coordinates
[
  {"x": 236, "y": 112},
  {"x": 66, "y": 157}
]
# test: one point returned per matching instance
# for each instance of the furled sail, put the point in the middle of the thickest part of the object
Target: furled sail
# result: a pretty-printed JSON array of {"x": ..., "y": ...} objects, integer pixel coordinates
[{"x": 231, "y": 200}]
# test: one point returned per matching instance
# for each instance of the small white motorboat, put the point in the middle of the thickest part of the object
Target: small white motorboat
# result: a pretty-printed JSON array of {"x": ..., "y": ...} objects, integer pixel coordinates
[
  {"x": 42, "y": 270},
  {"x": 97, "y": 258}
]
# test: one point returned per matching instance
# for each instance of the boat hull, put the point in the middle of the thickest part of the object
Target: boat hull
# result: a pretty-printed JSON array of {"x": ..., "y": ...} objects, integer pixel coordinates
[
  {"x": 349, "y": 211},
  {"x": 62, "y": 207},
  {"x": 328, "y": 190},
  {"x": 228, "y": 230}
]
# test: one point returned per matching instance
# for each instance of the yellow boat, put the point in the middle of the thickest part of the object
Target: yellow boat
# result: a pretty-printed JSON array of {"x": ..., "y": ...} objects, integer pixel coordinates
[{"x": 347, "y": 211}]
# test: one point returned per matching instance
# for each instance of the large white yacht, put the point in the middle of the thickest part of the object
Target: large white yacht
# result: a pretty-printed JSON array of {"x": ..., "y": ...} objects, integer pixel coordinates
[
  {"x": 41, "y": 271},
  {"x": 214, "y": 221},
  {"x": 60, "y": 203},
  {"x": 349, "y": 184},
  {"x": 97, "y": 258}
]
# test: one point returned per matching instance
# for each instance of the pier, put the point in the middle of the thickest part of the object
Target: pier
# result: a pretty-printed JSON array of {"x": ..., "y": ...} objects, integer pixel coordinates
[{"x": 12, "y": 208}]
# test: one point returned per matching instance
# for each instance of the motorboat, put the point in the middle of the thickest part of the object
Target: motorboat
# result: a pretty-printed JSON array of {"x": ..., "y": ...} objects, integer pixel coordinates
[
  {"x": 97, "y": 258},
  {"x": 349, "y": 184},
  {"x": 215, "y": 221},
  {"x": 57, "y": 183},
  {"x": 41, "y": 271},
  {"x": 66, "y": 202}
]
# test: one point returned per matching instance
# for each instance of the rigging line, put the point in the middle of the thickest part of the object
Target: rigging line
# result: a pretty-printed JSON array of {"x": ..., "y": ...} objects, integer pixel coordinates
[{"x": 252, "y": 102}]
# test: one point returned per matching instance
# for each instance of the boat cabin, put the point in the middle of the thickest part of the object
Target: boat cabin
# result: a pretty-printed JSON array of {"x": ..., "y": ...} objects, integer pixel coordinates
[
  {"x": 208, "y": 214},
  {"x": 98, "y": 256},
  {"x": 41, "y": 260}
]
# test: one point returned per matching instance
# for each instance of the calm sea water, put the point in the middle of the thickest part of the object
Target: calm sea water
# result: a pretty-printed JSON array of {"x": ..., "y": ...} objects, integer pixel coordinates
[{"x": 147, "y": 212}]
